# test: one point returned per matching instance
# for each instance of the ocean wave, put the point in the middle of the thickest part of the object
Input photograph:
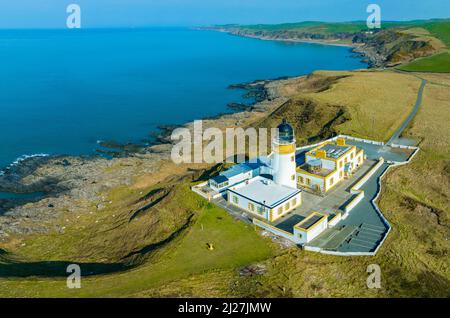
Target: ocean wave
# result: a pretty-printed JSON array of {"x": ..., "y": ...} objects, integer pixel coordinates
[{"x": 22, "y": 158}]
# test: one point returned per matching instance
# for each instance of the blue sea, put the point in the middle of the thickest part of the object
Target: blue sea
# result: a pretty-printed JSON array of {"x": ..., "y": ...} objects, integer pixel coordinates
[{"x": 63, "y": 90}]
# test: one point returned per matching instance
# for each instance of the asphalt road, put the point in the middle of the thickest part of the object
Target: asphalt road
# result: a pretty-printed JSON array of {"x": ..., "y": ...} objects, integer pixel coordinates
[{"x": 402, "y": 127}]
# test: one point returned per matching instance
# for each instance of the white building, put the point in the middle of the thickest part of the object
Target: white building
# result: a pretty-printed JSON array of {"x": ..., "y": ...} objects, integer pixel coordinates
[
  {"x": 239, "y": 173},
  {"x": 283, "y": 158},
  {"x": 264, "y": 198},
  {"x": 270, "y": 188},
  {"x": 268, "y": 196},
  {"x": 309, "y": 228},
  {"x": 328, "y": 164}
]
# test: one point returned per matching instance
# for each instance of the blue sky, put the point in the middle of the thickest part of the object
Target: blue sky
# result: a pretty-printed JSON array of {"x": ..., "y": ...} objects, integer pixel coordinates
[{"x": 120, "y": 13}]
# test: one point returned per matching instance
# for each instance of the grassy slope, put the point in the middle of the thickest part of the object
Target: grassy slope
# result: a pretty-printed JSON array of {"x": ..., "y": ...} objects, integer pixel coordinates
[
  {"x": 439, "y": 63},
  {"x": 330, "y": 28},
  {"x": 376, "y": 102},
  {"x": 235, "y": 244},
  {"x": 440, "y": 29},
  {"x": 415, "y": 259}
]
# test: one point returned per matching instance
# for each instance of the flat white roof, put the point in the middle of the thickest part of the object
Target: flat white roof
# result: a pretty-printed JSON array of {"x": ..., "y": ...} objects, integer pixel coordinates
[{"x": 264, "y": 191}]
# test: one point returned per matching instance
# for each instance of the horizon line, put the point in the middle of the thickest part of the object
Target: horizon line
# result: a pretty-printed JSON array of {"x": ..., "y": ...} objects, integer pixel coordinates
[{"x": 210, "y": 25}]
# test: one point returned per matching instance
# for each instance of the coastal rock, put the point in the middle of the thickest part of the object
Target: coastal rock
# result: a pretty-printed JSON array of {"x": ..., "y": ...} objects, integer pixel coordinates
[{"x": 76, "y": 185}]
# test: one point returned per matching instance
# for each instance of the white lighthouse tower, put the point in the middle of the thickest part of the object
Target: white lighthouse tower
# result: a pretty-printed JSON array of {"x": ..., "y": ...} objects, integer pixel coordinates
[{"x": 283, "y": 161}]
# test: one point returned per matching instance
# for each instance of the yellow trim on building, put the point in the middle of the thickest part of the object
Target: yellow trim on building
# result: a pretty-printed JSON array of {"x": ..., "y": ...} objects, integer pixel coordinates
[
  {"x": 340, "y": 141},
  {"x": 335, "y": 216},
  {"x": 270, "y": 212},
  {"x": 375, "y": 167},
  {"x": 339, "y": 162},
  {"x": 292, "y": 207},
  {"x": 300, "y": 170},
  {"x": 360, "y": 193},
  {"x": 322, "y": 154},
  {"x": 284, "y": 149},
  {"x": 317, "y": 149},
  {"x": 297, "y": 226}
]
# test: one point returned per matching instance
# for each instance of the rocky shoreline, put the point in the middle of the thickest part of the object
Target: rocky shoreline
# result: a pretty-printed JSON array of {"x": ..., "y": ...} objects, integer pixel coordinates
[
  {"x": 72, "y": 184},
  {"x": 379, "y": 48},
  {"x": 368, "y": 54}
]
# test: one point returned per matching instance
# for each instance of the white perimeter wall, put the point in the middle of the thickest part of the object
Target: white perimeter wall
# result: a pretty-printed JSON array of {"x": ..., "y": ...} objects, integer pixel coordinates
[{"x": 308, "y": 236}]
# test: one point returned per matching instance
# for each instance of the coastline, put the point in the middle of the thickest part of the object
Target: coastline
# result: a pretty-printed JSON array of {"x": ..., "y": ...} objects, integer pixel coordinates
[
  {"x": 367, "y": 53},
  {"x": 268, "y": 38},
  {"x": 76, "y": 183},
  {"x": 262, "y": 91},
  {"x": 67, "y": 180},
  {"x": 265, "y": 98}
]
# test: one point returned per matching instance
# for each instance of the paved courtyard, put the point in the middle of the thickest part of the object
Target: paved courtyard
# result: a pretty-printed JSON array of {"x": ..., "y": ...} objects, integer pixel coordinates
[
  {"x": 364, "y": 228},
  {"x": 331, "y": 203},
  {"x": 374, "y": 152}
]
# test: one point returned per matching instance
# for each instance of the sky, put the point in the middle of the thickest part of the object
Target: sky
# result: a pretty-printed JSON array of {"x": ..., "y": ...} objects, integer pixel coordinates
[{"x": 139, "y": 13}]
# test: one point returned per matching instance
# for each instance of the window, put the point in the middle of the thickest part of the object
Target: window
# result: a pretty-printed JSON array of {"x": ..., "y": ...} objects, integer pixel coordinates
[
  {"x": 346, "y": 159},
  {"x": 293, "y": 177},
  {"x": 300, "y": 235},
  {"x": 235, "y": 199},
  {"x": 294, "y": 202},
  {"x": 293, "y": 158},
  {"x": 352, "y": 155},
  {"x": 223, "y": 184},
  {"x": 251, "y": 207},
  {"x": 331, "y": 181},
  {"x": 301, "y": 180},
  {"x": 308, "y": 181},
  {"x": 340, "y": 164},
  {"x": 287, "y": 206},
  {"x": 340, "y": 174},
  {"x": 280, "y": 210}
]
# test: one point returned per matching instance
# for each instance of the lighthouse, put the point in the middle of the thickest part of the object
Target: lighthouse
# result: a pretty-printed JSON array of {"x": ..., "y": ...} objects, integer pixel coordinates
[{"x": 283, "y": 161}]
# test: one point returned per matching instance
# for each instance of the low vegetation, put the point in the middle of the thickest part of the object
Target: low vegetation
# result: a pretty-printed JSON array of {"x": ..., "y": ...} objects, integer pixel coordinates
[
  {"x": 396, "y": 43},
  {"x": 211, "y": 241},
  {"x": 440, "y": 29},
  {"x": 158, "y": 238},
  {"x": 366, "y": 104},
  {"x": 439, "y": 63}
]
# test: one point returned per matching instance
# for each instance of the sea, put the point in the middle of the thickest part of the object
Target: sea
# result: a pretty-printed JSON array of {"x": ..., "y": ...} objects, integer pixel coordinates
[{"x": 63, "y": 91}]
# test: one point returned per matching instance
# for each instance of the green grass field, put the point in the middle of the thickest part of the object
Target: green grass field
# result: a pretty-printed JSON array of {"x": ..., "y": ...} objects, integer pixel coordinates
[
  {"x": 441, "y": 30},
  {"x": 235, "y": 244},
  {"x": 414, "y": 259},
  {"x": 439, "y": 63}
]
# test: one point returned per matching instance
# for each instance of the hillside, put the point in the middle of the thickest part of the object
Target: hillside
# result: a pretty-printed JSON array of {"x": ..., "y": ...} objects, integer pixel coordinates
[
  {"x": 149, "y": 234},
  {"x": 394, "y": 44}
]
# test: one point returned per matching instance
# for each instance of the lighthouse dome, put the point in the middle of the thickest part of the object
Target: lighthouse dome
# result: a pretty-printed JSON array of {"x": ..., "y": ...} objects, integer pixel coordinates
[{"x": 285, "y": 133}]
